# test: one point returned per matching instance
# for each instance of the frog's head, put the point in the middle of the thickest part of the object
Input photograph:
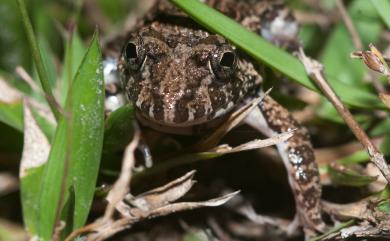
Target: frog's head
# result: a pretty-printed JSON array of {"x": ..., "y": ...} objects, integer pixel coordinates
[{"x": 178, "y": 76}]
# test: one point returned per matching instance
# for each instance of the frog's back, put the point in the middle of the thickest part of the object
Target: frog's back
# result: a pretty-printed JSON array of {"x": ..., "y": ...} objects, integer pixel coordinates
[{"x": 272, "y": 19}]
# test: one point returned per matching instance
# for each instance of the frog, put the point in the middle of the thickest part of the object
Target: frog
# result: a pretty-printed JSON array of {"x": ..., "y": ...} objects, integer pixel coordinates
[{"x": 183, "y": 79}]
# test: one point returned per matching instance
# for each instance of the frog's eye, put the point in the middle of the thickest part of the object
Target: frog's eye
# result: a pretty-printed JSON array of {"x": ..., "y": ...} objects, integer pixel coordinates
[
  {"x": 134, "y": 54},
  {"x": 223, "y": 65}
]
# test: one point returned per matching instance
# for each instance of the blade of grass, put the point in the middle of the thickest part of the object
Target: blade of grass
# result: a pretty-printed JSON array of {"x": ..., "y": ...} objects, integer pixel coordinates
[
  {"x": 267, "y": 53},
  {"x": 48, "y": 61},
  {"x": 12, "y": 114},
  {"x": 76, "y": 149},
  {"x": 383, "y": 8},
  {"x": 13, "y": 48},
  {"x": 119, "y": 129},
  {"x": 348, "y": 177},
  {"x": 43, "y": 76},
  {"x": 36, "y": 149},
  {"x": 74, "y": 52},
  {"x": 334, "y": 230}
]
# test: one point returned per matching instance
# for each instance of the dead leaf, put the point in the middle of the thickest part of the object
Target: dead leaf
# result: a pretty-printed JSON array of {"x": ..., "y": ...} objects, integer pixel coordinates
[
  {"x": 176, "y": 207},
  {"x": 234, "y": 119},
  {"x": 255, "y": 144},
  {"x": 8, "y": 94},
  {"x": 163, "y": 195},
  {"x": 36, "y": 147},
  {"x": 151, "y": 204}
]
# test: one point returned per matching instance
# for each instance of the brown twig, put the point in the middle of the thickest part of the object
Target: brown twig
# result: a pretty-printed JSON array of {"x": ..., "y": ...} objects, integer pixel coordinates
[
  {"x": 320, "y": 19},
  {"x": 385, "y": 34},
  {"x": 315, "y": 71}
]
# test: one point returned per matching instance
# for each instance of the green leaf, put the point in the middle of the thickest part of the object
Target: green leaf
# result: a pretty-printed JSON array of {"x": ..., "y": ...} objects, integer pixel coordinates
[
  {"x": 76, "y": 149},
  {"x": 334, "y": 230},
  {"x": 30, "y": 194},
  {"x": 357, "y": 157},
  {"x": 13, "y": 47},
  {"x": 48, "y": 61},
  {"x": 381, "y": 128},
  {"x": 16, "y": 82},
  {"x": 195, "y": 236},
  {"x": 383, "y": 8},
  {"x": 36, "y": 149},
  {"x": 336, "y": 55},
  {"x": 347, "y": 177},
  {"x": 12, "y": 114},
  {"x": 385, "y": 145},
  {"x": 119, "y": 129},
  {"x": 47, "y": 126},
  {"x": 384, "y": 206},
  {"x": 74, "y": 52},
  {"x": 385, "y": 193},
  {"x": 270, "y": 55},
  {"x": 38, "y": 60}
]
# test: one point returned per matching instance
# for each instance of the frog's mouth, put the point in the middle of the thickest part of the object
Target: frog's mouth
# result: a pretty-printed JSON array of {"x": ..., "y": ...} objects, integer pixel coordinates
[
  {"x": 186, "y": 128},
  {"x": 179, "y": 115},
  {"x": 171, "y": 122}
]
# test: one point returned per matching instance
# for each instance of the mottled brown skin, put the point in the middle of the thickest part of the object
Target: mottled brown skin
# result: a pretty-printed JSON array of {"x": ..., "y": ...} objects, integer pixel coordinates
[
  {"x": 180, "y": 76},
  {"x": 300, "y": 163},
  {"x": 179, "y": 82}
]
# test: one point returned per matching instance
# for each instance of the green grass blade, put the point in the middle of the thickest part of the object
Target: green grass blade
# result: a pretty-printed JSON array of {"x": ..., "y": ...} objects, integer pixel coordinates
[
  {"x": 74, "y": 159},
  {"x": 12, "y": 114},
  {"x": 13, "y": 48},
  {"x": 334, "y": 230},
  {"x": 74, "y": 52},
  {"x": 267, "y": 53},
  {"x": 383, "y": 8},
  {"x": 349, "y": 177},
  {"x": 48, "y": 61},
  {"x": 43, "y": 76},
  {"x": 119, "y": 129},
  {"x": 32, "y": 166}
]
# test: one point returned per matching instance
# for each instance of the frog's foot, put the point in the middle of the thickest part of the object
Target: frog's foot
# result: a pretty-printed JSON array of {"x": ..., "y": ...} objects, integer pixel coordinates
[{"x": 298, "y": 157}]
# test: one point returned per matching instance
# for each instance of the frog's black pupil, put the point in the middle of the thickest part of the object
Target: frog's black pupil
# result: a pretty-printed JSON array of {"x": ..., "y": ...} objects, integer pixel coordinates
[
  {"x": 131, "y": 51},
  {"x": 227, "y": 59}
]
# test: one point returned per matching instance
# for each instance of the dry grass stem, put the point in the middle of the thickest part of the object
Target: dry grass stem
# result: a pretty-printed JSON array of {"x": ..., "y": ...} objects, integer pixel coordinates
[
  {"x": 236, "y": 118},
  {"x": 132, "y": 209},
  {"x": 357, "y": 42},
  {"x": 19, "y": 70},
  {"x": 121, "y": 186},
  {"x": 322, "y": 20},
  {"x": 315, "y": 71},
  {"x": 255, "y": 144}
]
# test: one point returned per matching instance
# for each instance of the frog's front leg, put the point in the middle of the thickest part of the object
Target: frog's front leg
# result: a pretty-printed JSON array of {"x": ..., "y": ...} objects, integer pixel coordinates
[{"x": 298, "y": 157}]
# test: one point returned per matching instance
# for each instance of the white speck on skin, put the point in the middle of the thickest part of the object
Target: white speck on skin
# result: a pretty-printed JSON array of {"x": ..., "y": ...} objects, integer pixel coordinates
[{"x": 294, "y": 158}]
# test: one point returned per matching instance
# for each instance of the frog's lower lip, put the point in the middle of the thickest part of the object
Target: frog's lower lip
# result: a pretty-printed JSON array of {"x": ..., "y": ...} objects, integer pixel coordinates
[
  {"x": 171, "y": 123},
  {"x": 186, "y": 128}
]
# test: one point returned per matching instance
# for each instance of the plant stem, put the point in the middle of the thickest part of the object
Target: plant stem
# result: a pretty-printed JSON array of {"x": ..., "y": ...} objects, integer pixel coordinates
[
  {"x": 38, "y": 60},
  {"x": 315, "y": 71}
]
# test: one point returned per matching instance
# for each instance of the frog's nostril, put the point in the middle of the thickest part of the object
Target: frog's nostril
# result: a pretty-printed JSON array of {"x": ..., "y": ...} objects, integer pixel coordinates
[{"x": 156, "y": 90}]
